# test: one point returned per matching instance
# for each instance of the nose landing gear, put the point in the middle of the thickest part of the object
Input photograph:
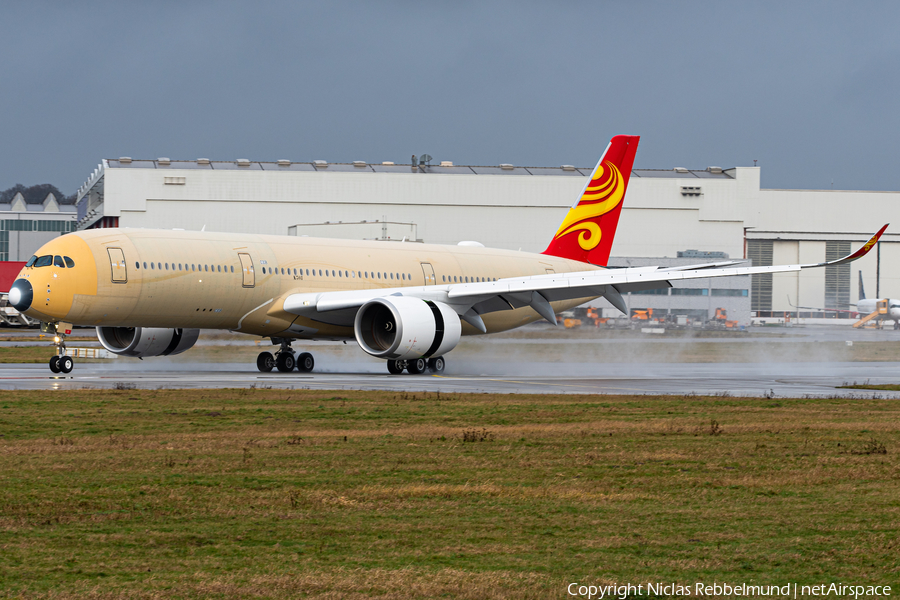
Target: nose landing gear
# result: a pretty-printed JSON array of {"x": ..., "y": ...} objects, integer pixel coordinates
[
  {"x": 285, "y": 360},
  {"x": 61, "y": 363}
]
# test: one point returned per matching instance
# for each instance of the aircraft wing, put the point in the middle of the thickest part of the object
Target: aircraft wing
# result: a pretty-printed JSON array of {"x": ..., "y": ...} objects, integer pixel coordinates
[{"x": 470, "y": 300}]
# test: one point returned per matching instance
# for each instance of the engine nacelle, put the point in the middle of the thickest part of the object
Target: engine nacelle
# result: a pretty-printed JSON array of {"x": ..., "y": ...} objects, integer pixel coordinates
[
  {"x": 146, "y": 341},
  {"x": 404, "y": 328}
]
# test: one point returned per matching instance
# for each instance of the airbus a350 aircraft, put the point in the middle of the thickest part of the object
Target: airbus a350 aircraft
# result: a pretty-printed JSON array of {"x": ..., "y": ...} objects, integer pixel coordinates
[{"x": 149, "y": 292}]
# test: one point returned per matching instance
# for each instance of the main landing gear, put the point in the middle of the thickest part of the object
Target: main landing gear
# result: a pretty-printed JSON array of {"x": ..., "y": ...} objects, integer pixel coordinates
[
  {"x": 285, "y": 360},
  {"x": 61, "y": 363},
  {"x": 416, "y": 366}
]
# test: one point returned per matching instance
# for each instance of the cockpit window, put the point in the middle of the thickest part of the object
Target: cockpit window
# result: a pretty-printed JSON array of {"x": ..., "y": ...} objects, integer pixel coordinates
[
  {"x": 58, "y": 262},
  {"x": 44, "y": 261},
  {"x": 69, "y": 262},
  {"x": 31, "y": 261}
]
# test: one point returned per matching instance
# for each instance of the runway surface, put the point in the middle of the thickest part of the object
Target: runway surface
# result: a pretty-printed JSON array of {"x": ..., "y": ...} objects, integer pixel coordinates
[
  {"x": 777, "y": 380},
  {"x": 545, "y": 361}
]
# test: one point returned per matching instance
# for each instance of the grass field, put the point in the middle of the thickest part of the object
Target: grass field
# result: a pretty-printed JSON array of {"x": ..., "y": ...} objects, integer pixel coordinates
[{"x": 283, "y": 494}]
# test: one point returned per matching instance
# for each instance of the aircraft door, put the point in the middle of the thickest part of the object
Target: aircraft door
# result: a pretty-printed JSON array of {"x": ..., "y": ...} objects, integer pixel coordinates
[
  {"x": 247, "y": 269},
  {"x": 428, "y": 271},
  {"x": 117, "y": 265}
]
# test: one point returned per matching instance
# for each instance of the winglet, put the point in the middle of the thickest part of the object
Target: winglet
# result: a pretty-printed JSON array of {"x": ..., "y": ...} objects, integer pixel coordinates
[{"x": 851, "y": 257}]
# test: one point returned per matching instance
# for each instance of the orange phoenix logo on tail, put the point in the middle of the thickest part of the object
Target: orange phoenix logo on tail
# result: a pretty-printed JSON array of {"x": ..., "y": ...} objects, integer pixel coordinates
[{"x": 587, "y": 232}]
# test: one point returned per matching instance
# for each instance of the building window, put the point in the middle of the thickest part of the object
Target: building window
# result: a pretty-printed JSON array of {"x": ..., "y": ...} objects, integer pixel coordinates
[
  {"x": 728, "y": 292},
  {"x": 690, "y": 292},
  {"x": 655, "y": 292}
]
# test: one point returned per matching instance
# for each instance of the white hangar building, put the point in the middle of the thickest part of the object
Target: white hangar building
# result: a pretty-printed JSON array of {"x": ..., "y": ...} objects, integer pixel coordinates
[{"x": 666, "y": 212}]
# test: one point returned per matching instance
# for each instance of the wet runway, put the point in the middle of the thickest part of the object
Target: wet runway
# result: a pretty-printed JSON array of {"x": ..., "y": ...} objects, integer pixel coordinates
[
  {"x": 544, "y": 361},
  {"x": 761, "y": 379}
]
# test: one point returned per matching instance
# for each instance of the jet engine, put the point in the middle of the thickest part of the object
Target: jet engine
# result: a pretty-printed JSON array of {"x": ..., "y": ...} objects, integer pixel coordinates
[
  {"x": 404, "y": 328},
  {"x": 146, "y": 341}
]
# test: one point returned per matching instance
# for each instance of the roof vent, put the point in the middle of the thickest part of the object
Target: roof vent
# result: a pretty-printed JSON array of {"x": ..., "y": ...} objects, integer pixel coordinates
[
  {"x": 359, "y": 164},
  {"x": 446, "y": 163},
  {"x": 714, "y": 169},
  {"x": 690, "y": 190},
  {"x": 567, "y": 168},
  {"x": 506, "y": 166},
  {"x": 387, "y": 162},
  {"x": 125, "y": 160},
  {"x": 321, "y": 164},
  {"x": 202, "y": 161},
  {"x": 164, "y": 161},
  {"x": 243, "y": 162},
  {"x": 284, "y": 162},
  {"x": 680, "y": 170}
]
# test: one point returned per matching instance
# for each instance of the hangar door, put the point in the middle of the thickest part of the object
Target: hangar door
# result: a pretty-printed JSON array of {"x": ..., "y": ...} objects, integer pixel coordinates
[
  {"x": 247, "y": 270},
  {"x": 117, "y": 265}
]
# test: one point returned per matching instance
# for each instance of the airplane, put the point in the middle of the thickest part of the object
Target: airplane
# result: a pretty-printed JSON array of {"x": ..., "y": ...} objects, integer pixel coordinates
[
  {"x": 867, "y": 306},
  {"x": 149, "y": 292}
]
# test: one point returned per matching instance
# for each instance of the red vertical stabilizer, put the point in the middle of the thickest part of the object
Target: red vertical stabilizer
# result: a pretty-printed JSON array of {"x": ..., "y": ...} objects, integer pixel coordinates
[{"x": 587, "y": 232}]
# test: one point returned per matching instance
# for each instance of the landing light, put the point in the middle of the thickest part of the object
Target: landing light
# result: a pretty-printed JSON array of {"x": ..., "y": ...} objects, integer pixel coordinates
[{"x": 56, "y": 339}]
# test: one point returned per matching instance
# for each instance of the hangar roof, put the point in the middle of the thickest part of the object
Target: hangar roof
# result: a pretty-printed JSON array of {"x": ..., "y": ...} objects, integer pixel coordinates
[{"x": 363, "y": 167}]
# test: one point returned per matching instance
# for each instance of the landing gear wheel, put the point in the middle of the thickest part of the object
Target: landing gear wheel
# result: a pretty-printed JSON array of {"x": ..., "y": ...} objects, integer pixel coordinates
[
  {"x": 284, "y": 362},
  {"x": 66, "y": 364},
  {"x": 436, "y": 364},
  {"x": 896, "y": 324},
  {"x": 305, "y": 362},
  {"x": 417, "y": 366},
  {"x": 54, "y": 364},
  {"x": 265, "y": 362},
  {"x": 394, "y": 367}
]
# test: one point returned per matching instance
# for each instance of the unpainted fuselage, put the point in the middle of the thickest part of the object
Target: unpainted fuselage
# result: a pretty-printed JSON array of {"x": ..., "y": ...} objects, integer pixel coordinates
[{"x": 189, "y": 279}]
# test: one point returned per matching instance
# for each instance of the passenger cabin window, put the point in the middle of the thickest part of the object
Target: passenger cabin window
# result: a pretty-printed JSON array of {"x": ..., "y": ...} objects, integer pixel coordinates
[
  {"x": 152, "y": 266},
  {"x": 137, "y": 265}
]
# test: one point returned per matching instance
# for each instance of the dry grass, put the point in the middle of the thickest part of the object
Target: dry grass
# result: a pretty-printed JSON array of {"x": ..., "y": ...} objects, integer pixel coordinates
[{"x": 284, "y": 494}]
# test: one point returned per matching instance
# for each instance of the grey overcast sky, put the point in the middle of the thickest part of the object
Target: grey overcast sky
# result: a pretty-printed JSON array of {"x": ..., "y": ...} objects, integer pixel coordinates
[{"x": 809, "y": 89}]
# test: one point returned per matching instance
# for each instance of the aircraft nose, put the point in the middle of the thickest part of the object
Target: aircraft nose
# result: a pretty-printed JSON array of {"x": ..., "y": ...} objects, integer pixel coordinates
[{"x": 21, "y": 295}]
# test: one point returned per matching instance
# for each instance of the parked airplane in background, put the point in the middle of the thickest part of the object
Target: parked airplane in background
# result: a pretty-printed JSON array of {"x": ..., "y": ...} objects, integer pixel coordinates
[
  {"x": 149, "y": 292},
  {"x": 869, "y": 309}
]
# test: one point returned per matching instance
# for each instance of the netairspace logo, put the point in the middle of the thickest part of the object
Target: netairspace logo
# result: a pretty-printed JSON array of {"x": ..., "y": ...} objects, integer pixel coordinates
[{"x": 721, "y": 590}]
